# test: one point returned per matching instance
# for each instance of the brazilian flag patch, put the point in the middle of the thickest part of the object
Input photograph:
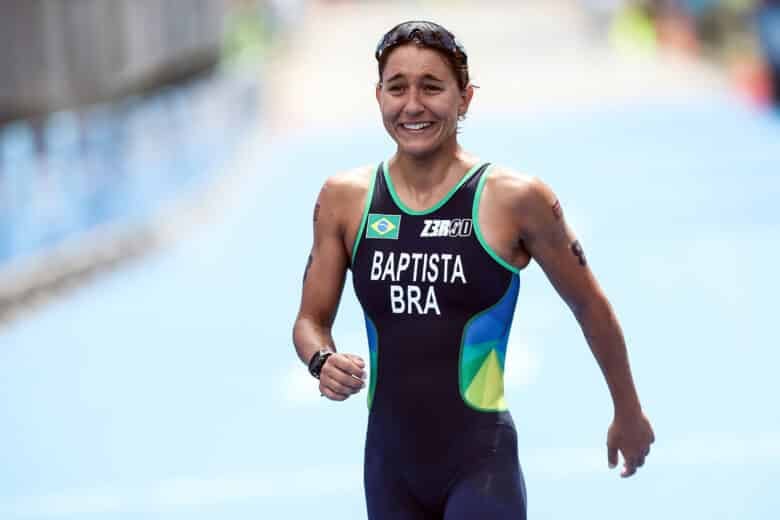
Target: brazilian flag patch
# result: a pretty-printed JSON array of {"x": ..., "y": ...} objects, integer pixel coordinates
[{"x": 383, "y": 226}]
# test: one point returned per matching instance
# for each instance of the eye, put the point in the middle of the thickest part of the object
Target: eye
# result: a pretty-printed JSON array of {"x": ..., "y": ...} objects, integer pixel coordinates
[
  {"x": 433, "y": 88},
  {"x": 396, "y": 89}
]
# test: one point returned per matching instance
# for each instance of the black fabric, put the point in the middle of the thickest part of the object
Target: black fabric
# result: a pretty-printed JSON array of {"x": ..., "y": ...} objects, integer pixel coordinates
[
  {"x": 422, "y": 436},
  {"x": 486, "y": 483}
]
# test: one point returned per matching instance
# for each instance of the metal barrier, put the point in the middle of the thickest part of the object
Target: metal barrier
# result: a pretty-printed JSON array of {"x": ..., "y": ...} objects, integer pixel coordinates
[
  {"x": 60, "y": 54},
  {"x": 110, "y": 166}
]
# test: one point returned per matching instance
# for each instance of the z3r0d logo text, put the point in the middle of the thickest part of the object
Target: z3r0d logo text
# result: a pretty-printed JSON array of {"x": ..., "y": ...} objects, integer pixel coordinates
[{"x": 457, "y": 227}]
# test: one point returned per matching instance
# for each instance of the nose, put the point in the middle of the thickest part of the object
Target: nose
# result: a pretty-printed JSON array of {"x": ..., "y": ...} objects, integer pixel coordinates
[{"x": 413, "y": 104}]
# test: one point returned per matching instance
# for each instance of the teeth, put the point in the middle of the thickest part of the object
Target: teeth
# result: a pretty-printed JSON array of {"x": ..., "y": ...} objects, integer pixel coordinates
[{"x": 416, "y": 126}]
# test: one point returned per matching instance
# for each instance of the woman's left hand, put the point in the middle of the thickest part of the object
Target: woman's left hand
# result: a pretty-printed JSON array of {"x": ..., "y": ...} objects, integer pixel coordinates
[{"x": 632, "y": 436}]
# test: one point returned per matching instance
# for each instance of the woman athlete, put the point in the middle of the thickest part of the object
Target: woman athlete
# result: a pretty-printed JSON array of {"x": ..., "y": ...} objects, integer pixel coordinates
[{"x": 435, "y": 239}]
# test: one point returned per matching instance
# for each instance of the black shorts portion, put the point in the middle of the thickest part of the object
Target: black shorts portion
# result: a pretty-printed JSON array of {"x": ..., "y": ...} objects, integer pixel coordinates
[{"x": 486, "y": 482}]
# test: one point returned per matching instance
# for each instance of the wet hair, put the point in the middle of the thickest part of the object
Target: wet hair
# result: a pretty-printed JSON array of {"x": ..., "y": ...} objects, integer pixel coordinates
[{"x": 431, "y": 36}]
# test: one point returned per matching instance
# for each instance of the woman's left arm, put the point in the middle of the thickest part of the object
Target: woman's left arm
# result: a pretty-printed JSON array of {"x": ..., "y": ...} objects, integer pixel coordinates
[{"x": 553, "y": 245}]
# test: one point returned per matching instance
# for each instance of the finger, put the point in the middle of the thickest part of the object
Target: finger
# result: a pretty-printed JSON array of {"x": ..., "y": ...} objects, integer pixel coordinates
[
  {"x": 345, "y": 378},
  {"x": 351, "y": 382},
  {"x": 346, "y": 365},
  {"x": 612, "y": 456},
  {"x": 632, "y": 463},
  {"x": 330, "y": 394},
  {"x": 628, "y": 469},
  {"x": 357, "y": 360},
  {"x": 337, "y": 387},
  {"x": 358, "y": 365}
]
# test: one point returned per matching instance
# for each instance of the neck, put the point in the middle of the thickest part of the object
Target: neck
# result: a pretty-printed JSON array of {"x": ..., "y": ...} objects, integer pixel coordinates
[{"x": 424, "y": 174}]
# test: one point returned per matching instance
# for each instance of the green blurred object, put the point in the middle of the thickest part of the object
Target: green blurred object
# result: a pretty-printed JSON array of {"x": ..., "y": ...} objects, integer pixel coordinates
[
  {"x": 633, "y": 31},
  {"x": 247, "y": 35}
]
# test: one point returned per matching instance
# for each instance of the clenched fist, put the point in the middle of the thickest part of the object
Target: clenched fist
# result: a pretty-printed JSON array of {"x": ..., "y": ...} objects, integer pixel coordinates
[{"x": 341, "y": 376}]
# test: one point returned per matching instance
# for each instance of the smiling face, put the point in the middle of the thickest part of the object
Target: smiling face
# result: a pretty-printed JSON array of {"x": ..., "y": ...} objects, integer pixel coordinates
[{"x": 420, "y": 100}]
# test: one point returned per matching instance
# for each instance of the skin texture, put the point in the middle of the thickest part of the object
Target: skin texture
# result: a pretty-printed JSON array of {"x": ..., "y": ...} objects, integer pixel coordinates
[{"x": 520, "y": 218}]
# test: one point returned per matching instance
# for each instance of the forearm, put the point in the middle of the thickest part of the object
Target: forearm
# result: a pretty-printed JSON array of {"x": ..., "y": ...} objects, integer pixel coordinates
[
  {"x": 310, "y": 337},
  {"x": 602, "y": 331}
]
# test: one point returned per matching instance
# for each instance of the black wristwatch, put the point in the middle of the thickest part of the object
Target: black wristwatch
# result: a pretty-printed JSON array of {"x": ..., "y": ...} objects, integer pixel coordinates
[{"x": 318, "y": 360}]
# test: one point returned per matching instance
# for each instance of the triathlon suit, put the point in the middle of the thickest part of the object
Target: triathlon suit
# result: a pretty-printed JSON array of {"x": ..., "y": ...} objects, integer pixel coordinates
[{"x": 438, "y": 305}]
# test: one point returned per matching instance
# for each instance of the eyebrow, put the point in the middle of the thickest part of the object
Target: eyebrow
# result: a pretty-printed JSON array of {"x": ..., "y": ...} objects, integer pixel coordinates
[{"x": 425, "y": 77}]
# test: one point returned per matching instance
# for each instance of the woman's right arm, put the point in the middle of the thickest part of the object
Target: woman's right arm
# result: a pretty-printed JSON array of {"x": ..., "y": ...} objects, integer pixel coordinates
[{"x": 323, "y": 281}]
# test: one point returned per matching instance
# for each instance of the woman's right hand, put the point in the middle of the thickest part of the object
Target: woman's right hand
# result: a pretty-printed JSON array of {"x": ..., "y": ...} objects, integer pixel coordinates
[{"x": 341, "y": 376}]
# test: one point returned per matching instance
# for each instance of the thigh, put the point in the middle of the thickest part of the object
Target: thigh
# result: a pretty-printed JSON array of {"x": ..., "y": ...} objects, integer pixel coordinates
[
  {"x": 388, "y": 496},
  {"x": 493, "y": 489}
]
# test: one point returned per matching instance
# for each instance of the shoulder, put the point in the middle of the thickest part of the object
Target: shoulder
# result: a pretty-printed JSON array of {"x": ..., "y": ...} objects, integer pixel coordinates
[
  {"x": 516, "y": 190},
  {"x": 348, "y": 186},
  {"x": 343, "y": 196}
]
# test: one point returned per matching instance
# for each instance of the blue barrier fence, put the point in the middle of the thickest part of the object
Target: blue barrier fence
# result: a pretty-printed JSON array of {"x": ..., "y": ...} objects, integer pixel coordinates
[
  {"x": 769, "y": 32},
  {"x": 117, "y": 163}
]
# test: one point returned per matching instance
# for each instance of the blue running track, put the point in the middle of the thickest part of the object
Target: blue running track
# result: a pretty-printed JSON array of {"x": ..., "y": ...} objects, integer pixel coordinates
[{"x": 169, "y": 389}]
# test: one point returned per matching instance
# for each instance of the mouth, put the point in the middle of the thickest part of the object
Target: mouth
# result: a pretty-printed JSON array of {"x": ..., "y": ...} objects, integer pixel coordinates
[{"x": 416, "y": 128}]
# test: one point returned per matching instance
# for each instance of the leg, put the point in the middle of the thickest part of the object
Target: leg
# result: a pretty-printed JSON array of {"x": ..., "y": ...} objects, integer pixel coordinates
[
  {"x": 387, "y": 494},
  {"x": 492, "y": 489}
]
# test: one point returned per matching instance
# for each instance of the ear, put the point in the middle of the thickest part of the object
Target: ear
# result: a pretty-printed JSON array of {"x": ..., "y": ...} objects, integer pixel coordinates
[
  {"x": 465, "y": 99},
  {"x": 378, "y": 91}
]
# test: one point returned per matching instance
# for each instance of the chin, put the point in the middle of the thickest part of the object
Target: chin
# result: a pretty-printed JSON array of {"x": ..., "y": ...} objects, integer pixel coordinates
[
  {"x": 421, "y": 148},
  {"x": 418, "y": 148},
  {"x": 418, "y": 152}
]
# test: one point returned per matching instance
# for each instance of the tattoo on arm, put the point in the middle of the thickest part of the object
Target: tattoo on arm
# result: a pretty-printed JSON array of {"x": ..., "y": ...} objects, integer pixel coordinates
[
  {"x": 557, "y": 210},
  {"x": 576, "y": 248},
  {"x": 308, "y": 265},
  {"x": 311, "y": 257}
]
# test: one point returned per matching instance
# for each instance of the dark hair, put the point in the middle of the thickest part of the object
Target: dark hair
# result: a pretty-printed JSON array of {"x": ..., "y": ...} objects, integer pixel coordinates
[{"x": 430, "y": 35}]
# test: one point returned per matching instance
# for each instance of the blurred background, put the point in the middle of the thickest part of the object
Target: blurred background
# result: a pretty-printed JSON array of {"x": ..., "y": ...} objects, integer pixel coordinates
[{"x": 159, "y": 163}]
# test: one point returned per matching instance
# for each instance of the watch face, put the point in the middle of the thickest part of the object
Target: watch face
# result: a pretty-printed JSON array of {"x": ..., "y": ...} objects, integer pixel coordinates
[
  {"x": 323, "y": 357},
  {"x": 318, "y": 361}
]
